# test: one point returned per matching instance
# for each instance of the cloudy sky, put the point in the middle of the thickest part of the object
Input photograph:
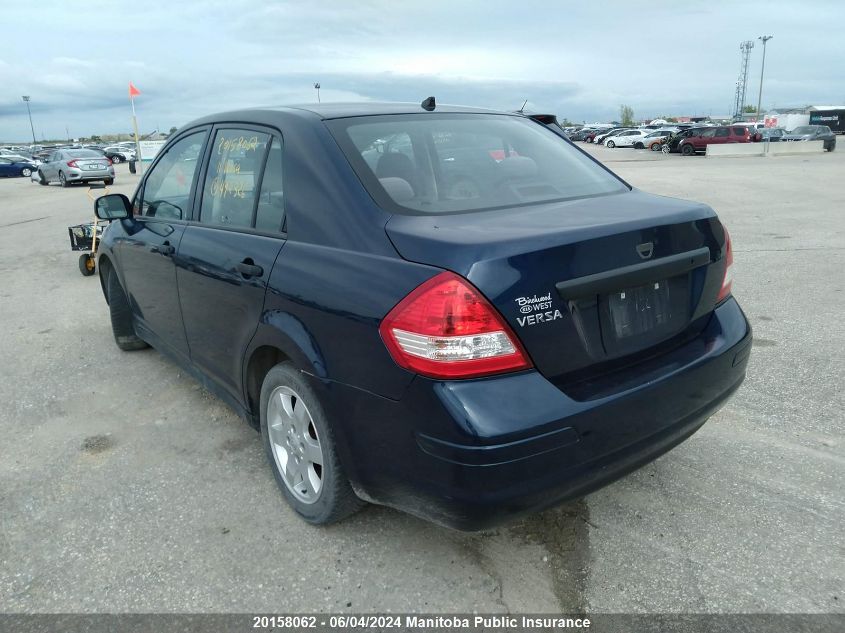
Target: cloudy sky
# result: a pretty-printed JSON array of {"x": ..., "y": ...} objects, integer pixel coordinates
[{"x": 580, "y": 60}]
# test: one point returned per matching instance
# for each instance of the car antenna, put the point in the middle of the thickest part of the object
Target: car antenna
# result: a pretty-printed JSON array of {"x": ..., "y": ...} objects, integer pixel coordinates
[
  {"x": 522, "y": 107},
  {"x": 428, "y": 104}
]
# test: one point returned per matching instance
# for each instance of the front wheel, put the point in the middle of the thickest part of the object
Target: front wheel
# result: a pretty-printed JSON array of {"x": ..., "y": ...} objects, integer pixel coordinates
[
  {"x": 108, "y": 181},
  {"x": 639, "y": 146},
  {"x": 121, "y": 316},
  {"x": 687, "y": 150},
  {"x": 26, "y": 172},
  {"x": 300, "y": 448},
  {"x": 610, "y": 144},
  {"x": 41, "y": 179},
  {"x": 116, "y": 159},
  {"x": 665, "y": 148}
]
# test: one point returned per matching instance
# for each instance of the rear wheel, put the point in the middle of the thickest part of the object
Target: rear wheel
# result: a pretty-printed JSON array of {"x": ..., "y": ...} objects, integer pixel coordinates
[
  {"x": 108, "y": 181},
  {"x": 116, "y": 159},
  {"x": 687, "y": 150},
  {"x": 62, "y": 180},
  {"x": 87, "y": 264},
  {"x": 121, "y": 316},
  {"x": 300, "y": 448},
  {"x": 26, "y": 172}
]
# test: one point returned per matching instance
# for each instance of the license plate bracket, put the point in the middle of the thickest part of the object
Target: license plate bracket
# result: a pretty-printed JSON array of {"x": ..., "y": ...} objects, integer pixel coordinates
[
  {"x": 635, "y": 311},
  {"x": 640, "y": 317}
]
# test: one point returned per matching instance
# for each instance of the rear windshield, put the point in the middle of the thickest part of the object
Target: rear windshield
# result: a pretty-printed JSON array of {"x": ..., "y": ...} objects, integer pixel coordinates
[
  {"x": 453, "y": 163},
  {"x": 82, "y": 153}
]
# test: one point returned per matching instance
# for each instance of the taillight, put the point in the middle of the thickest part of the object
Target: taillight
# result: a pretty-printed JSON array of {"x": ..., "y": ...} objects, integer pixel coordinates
[
  {"x": 445, "y": 328},
  {"x": 108, "y": 160},
  {"x": 71, "y": 163},
  {"x": 725, "y": 290}
]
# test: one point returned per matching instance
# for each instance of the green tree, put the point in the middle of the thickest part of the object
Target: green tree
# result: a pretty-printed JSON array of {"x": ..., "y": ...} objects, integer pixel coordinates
[
  {"x": 626, "y": 114},
  {"x": 172, "y": 131},
  {"x": 749, "y": 109}
]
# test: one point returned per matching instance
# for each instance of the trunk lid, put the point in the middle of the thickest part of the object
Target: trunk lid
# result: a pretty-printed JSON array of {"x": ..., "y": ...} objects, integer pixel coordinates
[{"x": 586, "y": 283}]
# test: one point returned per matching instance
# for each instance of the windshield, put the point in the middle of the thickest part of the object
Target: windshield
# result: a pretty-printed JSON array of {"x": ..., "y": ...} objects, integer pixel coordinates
[
  {"x": 453, "y": 163},
  {"x": 804, "y": 129}
]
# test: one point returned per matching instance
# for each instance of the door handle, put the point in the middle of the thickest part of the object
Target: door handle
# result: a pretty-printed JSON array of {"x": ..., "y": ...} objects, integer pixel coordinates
[
  {"x": 249, "y": 269},
  {"x": 165, "y": 249}
]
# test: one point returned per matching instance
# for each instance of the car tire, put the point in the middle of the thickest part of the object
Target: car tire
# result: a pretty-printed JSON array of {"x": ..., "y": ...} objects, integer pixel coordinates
[
  {"x": 108, "y": 181},
  {"x": 294, "y": 436},
  {"x": 655, "y": 147},
  {"x": 687, "y": 150},
  {"x": 639, "y": 145},
  {"x": 26, "y": 172},
  {"x": 116, "y": 159},
  {"x": 610, "y": 144},
  {"x": 121, "y": 316},
  {"x": 62, "y": 180},
  {"x": 41, "y": 179}
]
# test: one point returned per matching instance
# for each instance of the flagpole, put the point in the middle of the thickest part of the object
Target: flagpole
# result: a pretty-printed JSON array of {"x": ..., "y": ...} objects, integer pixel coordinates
[{"x": 137, "y": 140}]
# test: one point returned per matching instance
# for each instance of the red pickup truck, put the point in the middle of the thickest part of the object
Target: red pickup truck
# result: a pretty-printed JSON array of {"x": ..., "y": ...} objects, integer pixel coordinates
[{"x": 705, "y": 136}]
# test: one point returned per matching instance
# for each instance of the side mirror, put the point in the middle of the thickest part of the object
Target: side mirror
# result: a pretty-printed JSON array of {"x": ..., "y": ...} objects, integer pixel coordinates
[{"x": 114, "y": 206}]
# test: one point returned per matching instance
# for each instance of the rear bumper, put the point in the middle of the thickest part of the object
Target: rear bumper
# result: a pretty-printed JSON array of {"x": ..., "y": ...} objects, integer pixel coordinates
[
  {"x": 77, "y": 175},
  {"x": 471, "y": 454}
]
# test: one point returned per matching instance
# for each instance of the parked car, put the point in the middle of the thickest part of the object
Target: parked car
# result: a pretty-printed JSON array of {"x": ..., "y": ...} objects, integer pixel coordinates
[
  {"x": 13, "y": 167},
  {"x": 118, "y": 154},
  {"x": 813, "y": 133},
  {"x": 626, "y": 138},
  {"x": 581, "y": 134},
  {"x": 653, "y": 140},
  {"x": 590, "y": 136},
  {"x": 68, "y": 166},
  {"x": 22, "y": 158},
  {"x": 466, "y": 354},
  {"x": 606, "y": 134},
  {"x": 703, "y": 137},
  {"x": 771, "y": 134}
]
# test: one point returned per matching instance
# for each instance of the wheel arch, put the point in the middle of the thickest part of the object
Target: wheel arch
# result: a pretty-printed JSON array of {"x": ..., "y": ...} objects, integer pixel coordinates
[
  {"x": 280, "y": 337},
  {"x": 105, "y": 268}
]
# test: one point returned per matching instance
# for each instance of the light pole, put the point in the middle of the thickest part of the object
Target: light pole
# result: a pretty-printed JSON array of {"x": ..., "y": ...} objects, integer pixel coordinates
[
  {"x": 764, "y": 39},
  {"x": 31, "y": 126},
  {"x": 317, "y": 88}
]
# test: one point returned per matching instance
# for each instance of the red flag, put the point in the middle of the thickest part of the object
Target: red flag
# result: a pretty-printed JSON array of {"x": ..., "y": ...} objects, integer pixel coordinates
[{"x": 133, "y": 91}]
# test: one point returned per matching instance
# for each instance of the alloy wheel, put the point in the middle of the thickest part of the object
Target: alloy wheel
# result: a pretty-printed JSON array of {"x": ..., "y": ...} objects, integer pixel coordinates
[{"x": 295, "y": 444}]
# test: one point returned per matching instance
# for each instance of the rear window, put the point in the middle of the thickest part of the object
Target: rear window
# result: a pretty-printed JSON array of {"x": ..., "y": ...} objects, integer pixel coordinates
[
  {"x": 454, "y": 163},
  {"x": 82, "y": 153}
]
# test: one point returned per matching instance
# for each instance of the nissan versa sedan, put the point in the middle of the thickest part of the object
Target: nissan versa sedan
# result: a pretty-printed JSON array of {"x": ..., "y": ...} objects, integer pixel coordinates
[
  {"x": 451, "y": 311},
  {"x": 68, "y": 166}
]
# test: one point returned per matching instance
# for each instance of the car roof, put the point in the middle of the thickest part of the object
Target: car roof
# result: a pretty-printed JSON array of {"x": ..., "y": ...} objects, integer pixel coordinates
[{"x": 344, "y": 110}]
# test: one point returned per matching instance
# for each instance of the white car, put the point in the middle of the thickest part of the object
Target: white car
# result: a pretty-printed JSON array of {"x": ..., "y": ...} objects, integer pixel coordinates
[
  {"x": 654, "y": 139},
  {"x": 626, "y": 138},
  {"x": 18, "y": 158}
]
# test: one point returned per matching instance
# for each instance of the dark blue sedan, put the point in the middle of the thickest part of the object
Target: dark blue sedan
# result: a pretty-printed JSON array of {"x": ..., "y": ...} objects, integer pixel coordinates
[
  {"x": 450, "y": 311},
  {"x": 14, "y": 167}
]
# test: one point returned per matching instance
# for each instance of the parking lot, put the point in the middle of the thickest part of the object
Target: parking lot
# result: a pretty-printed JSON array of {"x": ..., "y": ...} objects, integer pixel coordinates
[{"x": 124, "y": 486}]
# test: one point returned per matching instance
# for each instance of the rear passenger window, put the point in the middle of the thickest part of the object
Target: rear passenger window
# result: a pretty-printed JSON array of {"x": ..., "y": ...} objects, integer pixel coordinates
[
  {"x": 739, "y": 131},
  {"x": 723, "y": 131},
  {"x": 231, "y": 185},
  {"x": 271, "y": 201}
]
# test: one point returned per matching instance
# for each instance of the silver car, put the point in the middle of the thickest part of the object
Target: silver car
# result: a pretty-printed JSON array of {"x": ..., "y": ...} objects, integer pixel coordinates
[{"x": 75, "y": 165}]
